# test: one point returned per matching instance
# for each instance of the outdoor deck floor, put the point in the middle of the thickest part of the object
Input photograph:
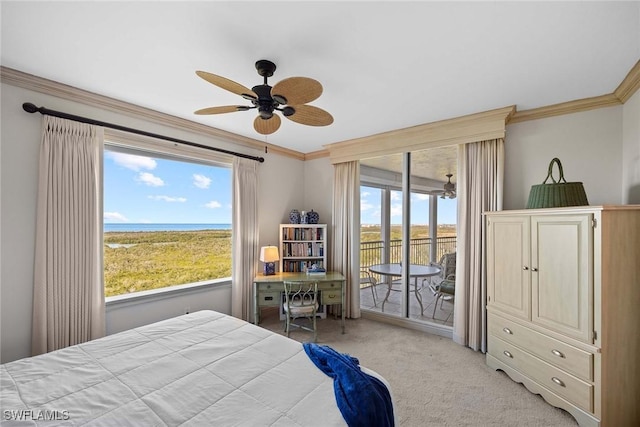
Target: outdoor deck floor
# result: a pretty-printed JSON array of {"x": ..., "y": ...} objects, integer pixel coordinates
[{"x": 393, "y": 306}]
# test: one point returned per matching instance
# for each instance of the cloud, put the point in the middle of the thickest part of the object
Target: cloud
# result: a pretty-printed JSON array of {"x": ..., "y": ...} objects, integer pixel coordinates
[
  {"x": 114, "y": 216},
  {"x": 213, "y": 204},
  {"x": 169, "y": 199},
  {"x": 420, "y": 196},
  {"x": 150, "y": 179},
  {"x": 131, "y": 161},
  {"x": 201, "y": 181},
  {"x": 365, "y": 194},
  {"x": 365, "y": 206},
  {"x": 396, "y": 210}
]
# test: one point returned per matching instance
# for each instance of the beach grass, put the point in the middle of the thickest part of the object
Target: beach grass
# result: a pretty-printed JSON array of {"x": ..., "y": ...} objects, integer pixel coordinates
[{"x": 142, "y": 260}]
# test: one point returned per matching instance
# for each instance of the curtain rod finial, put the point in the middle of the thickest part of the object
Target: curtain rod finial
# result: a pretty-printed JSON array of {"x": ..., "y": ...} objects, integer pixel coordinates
[{"x": 29, "y": 107}]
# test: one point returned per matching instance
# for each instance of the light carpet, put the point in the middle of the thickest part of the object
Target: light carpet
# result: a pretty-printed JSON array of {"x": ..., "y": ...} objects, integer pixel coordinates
[{"x": 434, "y": 381}]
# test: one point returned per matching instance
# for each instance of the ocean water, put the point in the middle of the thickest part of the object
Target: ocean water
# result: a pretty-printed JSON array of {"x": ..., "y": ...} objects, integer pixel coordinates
[{"x": 163, "y": 227}]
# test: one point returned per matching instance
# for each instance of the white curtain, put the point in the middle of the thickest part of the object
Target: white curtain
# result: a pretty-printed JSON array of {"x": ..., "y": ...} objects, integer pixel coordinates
[
  {"x": 245, "y": 236},
  {"x": 68, "y": 291},
  {"x": 480, "y": 189},
  {"x": 345, "y": 240}
]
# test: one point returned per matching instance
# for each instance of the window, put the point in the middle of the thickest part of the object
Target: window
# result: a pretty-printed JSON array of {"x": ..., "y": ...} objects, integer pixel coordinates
[{"x": 167, "y": 220}]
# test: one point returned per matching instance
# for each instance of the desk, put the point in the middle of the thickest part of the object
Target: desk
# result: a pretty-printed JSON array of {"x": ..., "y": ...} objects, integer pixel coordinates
[
  {"x": 267, "y": 290},
  {"x": 415, "y": 271}
]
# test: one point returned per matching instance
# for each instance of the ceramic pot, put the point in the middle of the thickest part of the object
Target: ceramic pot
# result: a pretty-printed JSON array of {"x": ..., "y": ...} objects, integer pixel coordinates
[
  {"x": 312, "y": 217},
  {"x": 294, "y": 216}
]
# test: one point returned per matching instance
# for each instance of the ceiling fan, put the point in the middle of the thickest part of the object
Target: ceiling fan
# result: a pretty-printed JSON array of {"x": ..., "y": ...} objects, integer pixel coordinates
[
  {"x": 289, "y": 96},
  {"x": 448, "y": 191}
]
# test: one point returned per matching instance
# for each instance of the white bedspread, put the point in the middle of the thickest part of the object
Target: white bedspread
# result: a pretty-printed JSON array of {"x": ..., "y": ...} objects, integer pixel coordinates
[{"x": 200, "y": 369}]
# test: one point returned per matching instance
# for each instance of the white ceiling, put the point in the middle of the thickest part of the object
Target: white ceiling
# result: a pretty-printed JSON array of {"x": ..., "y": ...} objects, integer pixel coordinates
[{"x": 384, "y": 65}]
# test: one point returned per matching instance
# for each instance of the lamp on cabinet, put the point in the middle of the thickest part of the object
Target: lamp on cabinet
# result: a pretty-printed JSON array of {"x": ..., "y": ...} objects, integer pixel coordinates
[{"x": 269, "y": 255}]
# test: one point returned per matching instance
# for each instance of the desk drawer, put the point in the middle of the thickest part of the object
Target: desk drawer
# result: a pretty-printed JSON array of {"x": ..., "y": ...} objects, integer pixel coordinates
[
  {"x": 329, "y": 286},
  {"x": 266, "y": 299},
  {"x": 270, "y": 287},
  {"x": 558, "y": 381},
  {"x": 330, "y": 297},
  {"x": 562, "y": 355}
]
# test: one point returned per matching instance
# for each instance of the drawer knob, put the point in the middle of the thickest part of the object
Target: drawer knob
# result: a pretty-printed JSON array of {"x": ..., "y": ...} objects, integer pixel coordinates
[
  {"x": 534, "y": 269},
  {"x": 557, "y": 353},
  {"x": 525, "y": 268},
  {"x": 558, "y": 381},
  {"x": 331, "y": 296},
  {"x": 508, "y": 354},
  {"x": 507, "y": 331}
]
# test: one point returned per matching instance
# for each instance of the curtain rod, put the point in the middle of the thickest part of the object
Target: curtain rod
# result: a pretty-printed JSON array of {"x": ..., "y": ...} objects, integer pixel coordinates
[{"x": 31, "y": 108}]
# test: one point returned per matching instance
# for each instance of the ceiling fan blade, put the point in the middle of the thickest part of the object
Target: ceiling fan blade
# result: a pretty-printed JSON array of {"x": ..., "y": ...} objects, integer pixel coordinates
[
  {"x": 222, "y": 109},
  {"x": 310, "y": 115},
  {"x": 227, "y": 84},
  {"x": 266, "y": 126},
  {"x": 297, "y": 90}
]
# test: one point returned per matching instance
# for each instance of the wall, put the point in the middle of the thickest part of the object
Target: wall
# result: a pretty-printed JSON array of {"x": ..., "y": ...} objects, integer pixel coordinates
[
  {"x": 591, "y": 146},
  {"x": 588, "y": 144},
  {"x": 631, "y": 150},
  {"x": 318, "y": 193},
  {"x": 279, "y": 191}
]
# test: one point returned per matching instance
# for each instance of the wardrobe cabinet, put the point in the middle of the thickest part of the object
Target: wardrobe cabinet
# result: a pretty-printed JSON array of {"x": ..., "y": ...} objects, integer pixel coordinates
[{"x": 563, "y": 307}]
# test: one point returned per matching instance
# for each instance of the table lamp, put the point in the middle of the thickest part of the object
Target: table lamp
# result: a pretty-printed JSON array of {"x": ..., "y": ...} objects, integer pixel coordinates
[{"x": 269, "y": 255}]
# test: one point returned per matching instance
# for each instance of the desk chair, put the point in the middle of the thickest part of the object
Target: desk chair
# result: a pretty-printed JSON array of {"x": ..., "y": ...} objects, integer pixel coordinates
[{"x": 301, "y": 302}]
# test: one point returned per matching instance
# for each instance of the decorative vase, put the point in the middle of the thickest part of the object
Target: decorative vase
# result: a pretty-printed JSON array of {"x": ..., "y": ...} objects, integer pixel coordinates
[
  {"x": 294, "y": 216},
  {"x": 303, "y": 217},
  {"x": 312, "y": 217}
]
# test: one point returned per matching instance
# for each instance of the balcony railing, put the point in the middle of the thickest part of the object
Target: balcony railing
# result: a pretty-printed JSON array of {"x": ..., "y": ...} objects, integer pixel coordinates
[{"x": 371, "y": 252}]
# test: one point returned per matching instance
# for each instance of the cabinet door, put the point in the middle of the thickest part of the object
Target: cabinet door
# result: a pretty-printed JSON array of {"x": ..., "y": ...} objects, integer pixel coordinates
[
  {"x": 562, "y": 277},
  {"x": 508, "y": 278}
]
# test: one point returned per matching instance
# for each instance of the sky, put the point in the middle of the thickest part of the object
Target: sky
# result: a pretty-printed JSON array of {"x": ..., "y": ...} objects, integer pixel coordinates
[
  {"x": 140, "y": 189},
  {"x": 370, "y": 208}
]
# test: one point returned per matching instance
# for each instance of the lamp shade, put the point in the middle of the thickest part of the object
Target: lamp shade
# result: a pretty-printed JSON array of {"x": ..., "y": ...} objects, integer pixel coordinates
[{"x": 269, "y": 254}]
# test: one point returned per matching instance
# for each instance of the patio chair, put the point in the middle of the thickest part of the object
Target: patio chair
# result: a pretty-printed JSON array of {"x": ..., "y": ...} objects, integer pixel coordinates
[
  {"x": 445, "y": 291},
  {"x": 368, "y": 281},
  {"x": 447, "y": 266},
  {"x": 301, "y": 301}
]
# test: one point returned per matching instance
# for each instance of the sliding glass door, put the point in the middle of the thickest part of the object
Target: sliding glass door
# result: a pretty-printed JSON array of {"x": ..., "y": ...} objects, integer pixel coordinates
[{"x": 399, "y": 233}]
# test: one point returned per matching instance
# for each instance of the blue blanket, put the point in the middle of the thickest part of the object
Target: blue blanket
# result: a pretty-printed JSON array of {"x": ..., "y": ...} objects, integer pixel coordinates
[{"x": 362, "y": 399}]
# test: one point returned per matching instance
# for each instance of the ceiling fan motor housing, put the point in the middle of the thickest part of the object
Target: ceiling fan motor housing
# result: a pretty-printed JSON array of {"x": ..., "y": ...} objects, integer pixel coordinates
[{"x": 265, "y": 103}]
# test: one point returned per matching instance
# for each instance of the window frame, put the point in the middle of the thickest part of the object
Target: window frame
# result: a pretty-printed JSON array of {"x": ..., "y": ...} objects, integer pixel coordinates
[{"x": 119, "y": 141}]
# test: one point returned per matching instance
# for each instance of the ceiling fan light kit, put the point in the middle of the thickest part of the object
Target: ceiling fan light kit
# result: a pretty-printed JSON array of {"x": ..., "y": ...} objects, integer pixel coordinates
[
  {"x": 449, "y": 188},
  {"x": 290, "y": 96}
]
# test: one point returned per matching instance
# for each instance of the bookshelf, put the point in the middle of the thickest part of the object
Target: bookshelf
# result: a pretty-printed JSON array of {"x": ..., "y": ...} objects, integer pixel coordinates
[{"x": 302, "y": 245}]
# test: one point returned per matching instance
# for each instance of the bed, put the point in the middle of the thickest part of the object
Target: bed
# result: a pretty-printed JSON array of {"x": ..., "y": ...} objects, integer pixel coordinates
[{"x": 200, "y": 369}]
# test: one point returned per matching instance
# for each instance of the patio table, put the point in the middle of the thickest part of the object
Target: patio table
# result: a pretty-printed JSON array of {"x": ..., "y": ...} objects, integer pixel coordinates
[{"x": 415, "y": 271}]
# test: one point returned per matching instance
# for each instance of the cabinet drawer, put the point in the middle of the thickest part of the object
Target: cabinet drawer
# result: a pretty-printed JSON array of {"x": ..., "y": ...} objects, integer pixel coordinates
[
  {"x": 266, "y": 299},
  {"x": 558, "y": 381},
  {"x": 330, "y": 297},
  {"x": 566, "y": 357}
]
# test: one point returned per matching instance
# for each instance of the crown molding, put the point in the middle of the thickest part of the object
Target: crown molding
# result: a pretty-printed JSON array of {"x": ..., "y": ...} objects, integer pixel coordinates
[
  {"x": 316, "y": 155},
  {"x": 565, "y": 108},
  {"x": 38, "y": 84},
  {"x": 629, "y": 85},
  {"x": 461, "y": 130},
  {"x": 623, "y": 92}
]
